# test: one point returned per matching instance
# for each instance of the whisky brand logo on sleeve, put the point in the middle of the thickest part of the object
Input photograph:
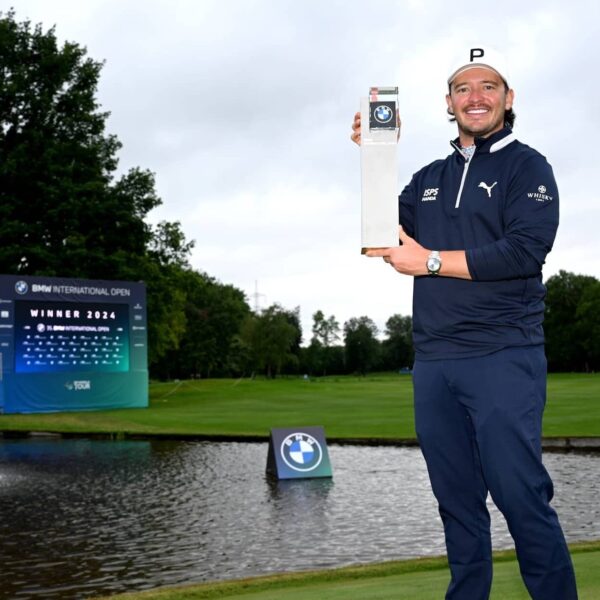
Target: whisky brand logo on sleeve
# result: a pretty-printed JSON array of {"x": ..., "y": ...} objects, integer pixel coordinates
[{"x": 540, "y": 195}]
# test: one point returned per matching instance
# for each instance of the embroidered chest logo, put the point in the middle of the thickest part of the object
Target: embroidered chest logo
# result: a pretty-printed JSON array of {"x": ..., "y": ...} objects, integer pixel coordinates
[
  {"x": 430, "y": 194},
  {"x": 487, "y": 188}
]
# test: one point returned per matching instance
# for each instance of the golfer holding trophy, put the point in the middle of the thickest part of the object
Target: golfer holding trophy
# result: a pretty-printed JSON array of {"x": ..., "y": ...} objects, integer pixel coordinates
[{"x": 475, "y": 230}]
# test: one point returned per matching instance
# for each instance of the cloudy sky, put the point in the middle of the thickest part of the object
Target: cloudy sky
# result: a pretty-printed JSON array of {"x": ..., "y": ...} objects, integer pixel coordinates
[{"x": 243, "y": 109}]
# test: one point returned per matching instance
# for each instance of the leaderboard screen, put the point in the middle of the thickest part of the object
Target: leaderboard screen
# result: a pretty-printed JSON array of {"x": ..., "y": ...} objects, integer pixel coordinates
[{"x": 56, "y": 336}]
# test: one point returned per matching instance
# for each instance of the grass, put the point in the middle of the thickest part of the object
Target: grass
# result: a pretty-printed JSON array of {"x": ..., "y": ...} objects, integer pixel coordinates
[
  {"x": 421, "y": 579},
  {"x": 376, "y": 407}
]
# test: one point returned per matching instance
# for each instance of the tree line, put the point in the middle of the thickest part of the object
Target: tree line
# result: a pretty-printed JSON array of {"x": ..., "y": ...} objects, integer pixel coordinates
[
  {"x": 242, "y": 343},
  {"x": 64, "y": 212},
  {"x": 225, "y": 338}
]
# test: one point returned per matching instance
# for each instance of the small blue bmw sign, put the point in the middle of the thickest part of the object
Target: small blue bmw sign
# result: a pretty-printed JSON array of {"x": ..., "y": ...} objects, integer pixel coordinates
[{"x": 298, "y": 453}]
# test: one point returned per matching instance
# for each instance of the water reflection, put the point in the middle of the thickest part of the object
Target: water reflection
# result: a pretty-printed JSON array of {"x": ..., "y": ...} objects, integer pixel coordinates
[{"x": 83, "y": 518}]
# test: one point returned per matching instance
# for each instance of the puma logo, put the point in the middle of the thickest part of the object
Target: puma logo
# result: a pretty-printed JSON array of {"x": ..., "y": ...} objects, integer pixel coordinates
[{"x": 487, "y": 188}]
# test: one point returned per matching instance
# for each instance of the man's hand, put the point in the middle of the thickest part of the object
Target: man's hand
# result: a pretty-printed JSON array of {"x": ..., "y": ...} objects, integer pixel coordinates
[
  {"x": 356, "y": 131},
  {"x": 355, "y": 137},
  {"x": 409, "y": 259}
]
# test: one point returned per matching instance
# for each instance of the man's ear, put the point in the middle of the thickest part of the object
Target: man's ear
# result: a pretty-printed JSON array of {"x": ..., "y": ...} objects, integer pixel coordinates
[
  {"x": 449, "y": 104},
  {"x": 510, "y": 98}
]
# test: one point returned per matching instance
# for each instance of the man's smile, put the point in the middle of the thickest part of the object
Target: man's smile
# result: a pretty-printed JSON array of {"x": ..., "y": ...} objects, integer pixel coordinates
[{"x": 477, "y": 111}]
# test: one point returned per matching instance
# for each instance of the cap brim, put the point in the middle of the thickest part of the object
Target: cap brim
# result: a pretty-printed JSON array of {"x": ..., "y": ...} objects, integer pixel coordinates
[{"x": 475, "y": 66}]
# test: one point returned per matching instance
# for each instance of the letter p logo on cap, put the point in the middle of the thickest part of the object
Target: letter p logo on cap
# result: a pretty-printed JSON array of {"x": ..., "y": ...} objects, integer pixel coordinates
[{"x": 476, "y": 53}]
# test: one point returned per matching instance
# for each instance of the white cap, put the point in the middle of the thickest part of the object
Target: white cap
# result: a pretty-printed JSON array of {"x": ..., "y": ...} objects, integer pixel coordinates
[{"x": 483, "y": 57}]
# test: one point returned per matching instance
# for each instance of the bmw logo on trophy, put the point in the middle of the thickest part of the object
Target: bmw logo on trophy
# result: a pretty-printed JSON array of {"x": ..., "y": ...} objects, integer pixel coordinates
[{"x": 379, "y": 171}]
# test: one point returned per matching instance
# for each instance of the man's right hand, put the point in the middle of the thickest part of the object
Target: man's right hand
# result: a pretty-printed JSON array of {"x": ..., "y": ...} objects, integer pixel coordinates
[{"x": 355, "y": 137}]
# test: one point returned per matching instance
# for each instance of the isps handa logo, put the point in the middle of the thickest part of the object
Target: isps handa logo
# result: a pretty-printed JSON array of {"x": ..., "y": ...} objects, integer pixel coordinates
[
  {"x": 430, "y": 194},
  {"x": 301, "y": 452},
  {"x": 79, "y": 385}
]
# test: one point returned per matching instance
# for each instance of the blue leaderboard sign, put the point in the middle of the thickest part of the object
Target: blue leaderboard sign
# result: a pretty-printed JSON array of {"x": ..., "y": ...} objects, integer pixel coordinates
[
  {"x": 299, "y": 452},
  {"x": 72, "y": 344}
]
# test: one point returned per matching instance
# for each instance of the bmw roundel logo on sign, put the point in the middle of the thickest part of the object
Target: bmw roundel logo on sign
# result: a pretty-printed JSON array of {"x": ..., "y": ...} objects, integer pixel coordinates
[
  {"x": 301, "y": 452},
  {"x": 21, "y": 287},
  {"x": 383, "y": 114}
]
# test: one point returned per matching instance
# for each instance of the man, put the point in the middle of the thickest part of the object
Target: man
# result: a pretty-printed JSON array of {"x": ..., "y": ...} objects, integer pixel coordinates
[{"x": 475, "y": 231}]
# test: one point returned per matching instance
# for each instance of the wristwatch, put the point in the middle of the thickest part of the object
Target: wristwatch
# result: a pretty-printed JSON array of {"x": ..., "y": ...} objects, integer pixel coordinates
[{"x": 434, "y": 262}]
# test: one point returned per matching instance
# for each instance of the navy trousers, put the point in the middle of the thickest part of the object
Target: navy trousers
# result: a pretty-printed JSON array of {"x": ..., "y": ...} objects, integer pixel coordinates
[{"x": 479, "y": 425}]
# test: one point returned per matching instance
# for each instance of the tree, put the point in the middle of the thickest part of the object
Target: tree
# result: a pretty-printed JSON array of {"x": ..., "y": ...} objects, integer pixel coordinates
[
  {"x": 362, "y": 346},
  {"x": 271, "y": 338},
  {"x": 214, "y": 314},
  {"x": 398, "y": 347},
  {"x": 588, "y": 325},
  {"x": 326, "y": 331},
  {"x": 62, "y": 212},
  {"x": 566, "y": 332},
  {"x": 167, "y": 245},
  {"x": 293, "y": 318},
  {"x": 162, "y": 267},
  {"x": 166, "y": 309}
]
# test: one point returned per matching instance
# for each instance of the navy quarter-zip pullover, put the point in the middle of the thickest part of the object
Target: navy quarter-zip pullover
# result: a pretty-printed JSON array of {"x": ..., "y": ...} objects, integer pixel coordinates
[{"x": 501, "y": 206}]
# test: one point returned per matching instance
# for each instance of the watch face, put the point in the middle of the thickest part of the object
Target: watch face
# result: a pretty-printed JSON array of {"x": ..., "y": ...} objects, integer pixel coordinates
[{"x": 433, "y": 265}]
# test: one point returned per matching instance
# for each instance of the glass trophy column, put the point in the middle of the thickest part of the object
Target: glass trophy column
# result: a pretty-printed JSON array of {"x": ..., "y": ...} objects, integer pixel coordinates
[{"x": 379, "y": 171}]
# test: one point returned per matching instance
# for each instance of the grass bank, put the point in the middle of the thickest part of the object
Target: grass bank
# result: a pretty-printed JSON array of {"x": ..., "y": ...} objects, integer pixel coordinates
[
  {"x": 422, "y": 579},
  {"x": 377, "y": 406}
]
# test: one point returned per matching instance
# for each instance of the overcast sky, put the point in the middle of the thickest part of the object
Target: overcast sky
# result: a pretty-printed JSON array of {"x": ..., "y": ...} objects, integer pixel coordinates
[{"x": 243, "y": 109}]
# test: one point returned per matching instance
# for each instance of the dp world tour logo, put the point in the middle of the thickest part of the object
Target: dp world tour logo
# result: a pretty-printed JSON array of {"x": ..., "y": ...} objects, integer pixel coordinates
[
  {"x": 383, "y": 114},
  {"x": 78, "y": 386},
  {"x": 301, "y": 452}
]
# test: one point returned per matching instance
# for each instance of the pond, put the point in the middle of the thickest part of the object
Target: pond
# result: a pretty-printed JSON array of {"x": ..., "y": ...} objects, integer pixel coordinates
[{"x": 83, "y": 518}]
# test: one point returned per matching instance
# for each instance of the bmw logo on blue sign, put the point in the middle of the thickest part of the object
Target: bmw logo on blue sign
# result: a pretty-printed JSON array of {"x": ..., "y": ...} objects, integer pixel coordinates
[
  {"x": 21, "y": 287},
  {"x": 301, "y": 452},
  {"x": 383, "y": 114}
]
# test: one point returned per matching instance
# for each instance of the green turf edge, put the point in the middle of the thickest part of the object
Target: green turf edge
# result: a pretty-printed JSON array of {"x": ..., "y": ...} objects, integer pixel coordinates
[{"x": 207, "y": 591}]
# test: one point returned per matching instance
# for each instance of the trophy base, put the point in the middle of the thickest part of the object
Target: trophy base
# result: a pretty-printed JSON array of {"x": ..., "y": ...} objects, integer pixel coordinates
[{"x": 364, "y": 249}]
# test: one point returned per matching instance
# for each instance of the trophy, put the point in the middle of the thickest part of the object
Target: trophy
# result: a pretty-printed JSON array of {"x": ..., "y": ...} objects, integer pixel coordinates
[{"x": 379, "y": 171}]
